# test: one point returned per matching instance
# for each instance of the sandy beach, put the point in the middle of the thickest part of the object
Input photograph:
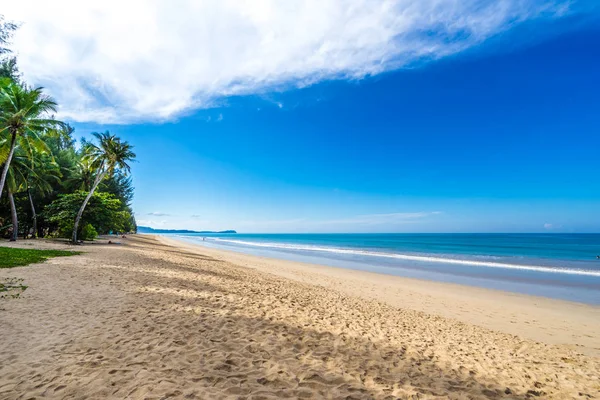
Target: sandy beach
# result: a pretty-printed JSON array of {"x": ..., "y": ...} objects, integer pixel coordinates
[{"x": 151, "y": 318}]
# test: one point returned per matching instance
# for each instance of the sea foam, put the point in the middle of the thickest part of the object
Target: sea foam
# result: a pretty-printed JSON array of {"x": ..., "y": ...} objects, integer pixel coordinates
[{"x": 410, "y": 257}]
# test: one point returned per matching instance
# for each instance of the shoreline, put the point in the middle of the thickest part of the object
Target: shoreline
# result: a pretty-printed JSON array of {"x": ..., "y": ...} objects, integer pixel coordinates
[
  {"x": 570, "y": 280},
  {"x": 537, "y": 318}
]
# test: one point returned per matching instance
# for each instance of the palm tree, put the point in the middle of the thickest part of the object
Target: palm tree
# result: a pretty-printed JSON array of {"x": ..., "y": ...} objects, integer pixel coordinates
[
  {"x": 13, "y": 216},
  {"x": 83, "y": 174},
  {"x": 40, "y": 175},
  {"x": 15, "y": 181},
  {"x": 111, "y": 153},
  {"x": 22, "y": 112}
]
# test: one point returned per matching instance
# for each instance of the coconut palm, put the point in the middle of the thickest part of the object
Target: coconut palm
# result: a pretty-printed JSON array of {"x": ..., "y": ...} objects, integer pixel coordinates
[
  {"x": 13, "y": 216},
  {"x": 23, "y": 118},
  {"x": 82, "y": 175},
  {"x": 110, "y": 153},
  {"x": 41, "y": 175},
  {"x": 16, "y": 181}
]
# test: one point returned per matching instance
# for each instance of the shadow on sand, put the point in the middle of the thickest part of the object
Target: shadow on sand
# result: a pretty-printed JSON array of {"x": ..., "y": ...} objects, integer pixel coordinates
[{"x": 230, "y": 339}]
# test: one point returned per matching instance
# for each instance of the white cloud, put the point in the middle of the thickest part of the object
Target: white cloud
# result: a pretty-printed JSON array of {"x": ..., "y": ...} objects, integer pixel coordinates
[
  {"x": 393, "y": 218},
  {"x": 550, "y": 227},
  {"x": 354, "y": 221},
  {"x": 272, "y": 223},
  {"x": 151, "y": 223},
  {"x": 136, "y": 60},
  {"x": 158, "y": 214}
]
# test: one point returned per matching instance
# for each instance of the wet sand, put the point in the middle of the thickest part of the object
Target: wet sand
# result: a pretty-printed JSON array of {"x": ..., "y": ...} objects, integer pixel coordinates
[{"x": 154, "y": 319}]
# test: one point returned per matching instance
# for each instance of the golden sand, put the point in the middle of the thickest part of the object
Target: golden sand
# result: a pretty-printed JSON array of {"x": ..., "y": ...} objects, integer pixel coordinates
[{"x": 153, "y": 319}]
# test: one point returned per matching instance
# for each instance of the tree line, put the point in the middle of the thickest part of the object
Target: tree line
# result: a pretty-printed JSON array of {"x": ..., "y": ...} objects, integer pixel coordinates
[{"x": 50, "y": 183}]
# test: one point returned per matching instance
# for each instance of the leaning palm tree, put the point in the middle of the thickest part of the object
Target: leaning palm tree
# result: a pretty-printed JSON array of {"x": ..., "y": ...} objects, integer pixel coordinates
[
  {"x": 13, "y": 216},
  {"x": 32, "y": 171},
  {"x": 110, "y": 153},
  {"x": 23, "y": 117},
  {"x": 16, "y": 180}
]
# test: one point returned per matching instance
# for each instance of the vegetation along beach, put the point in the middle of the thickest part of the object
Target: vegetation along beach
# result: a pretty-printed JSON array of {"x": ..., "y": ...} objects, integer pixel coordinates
[{"x": 338, "y": 199}]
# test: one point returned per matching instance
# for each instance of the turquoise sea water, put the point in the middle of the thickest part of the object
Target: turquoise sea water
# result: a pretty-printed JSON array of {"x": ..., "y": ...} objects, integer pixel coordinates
[{"x": 561, "y": 266}]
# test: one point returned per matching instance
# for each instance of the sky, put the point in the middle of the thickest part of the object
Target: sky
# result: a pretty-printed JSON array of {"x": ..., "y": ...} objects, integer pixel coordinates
[{"x": 335, "y": 115}]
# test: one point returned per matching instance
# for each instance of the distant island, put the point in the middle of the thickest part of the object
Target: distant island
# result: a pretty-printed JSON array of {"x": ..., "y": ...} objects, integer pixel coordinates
[{"x": 147, "y": 229}]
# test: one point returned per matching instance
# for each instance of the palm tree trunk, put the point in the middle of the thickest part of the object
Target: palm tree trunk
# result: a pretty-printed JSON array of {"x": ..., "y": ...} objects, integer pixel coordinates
[
  {"x": 13, "y": 141},
  {"x": 13, "y": 215},
  {"x": 33, "y": 212},
  {"x": 87, "y": 199}
]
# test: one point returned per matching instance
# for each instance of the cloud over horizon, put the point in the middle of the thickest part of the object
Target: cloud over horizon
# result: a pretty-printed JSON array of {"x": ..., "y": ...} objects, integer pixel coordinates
[
  {"x": 135, "y": 61},
  {"x": 363, "y": 223}
]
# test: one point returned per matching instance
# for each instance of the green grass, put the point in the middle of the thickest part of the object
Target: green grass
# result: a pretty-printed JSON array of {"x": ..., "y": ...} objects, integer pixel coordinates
[{"x": 12, "y": 257}]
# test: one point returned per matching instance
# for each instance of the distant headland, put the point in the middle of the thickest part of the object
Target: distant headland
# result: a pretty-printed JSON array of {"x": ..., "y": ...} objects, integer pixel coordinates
[{"x": 147, "y": 229}]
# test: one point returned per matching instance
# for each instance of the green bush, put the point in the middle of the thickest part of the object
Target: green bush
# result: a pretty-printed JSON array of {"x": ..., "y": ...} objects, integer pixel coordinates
[
  {"x": 65, "y": 229},
  {"x": 85, "y": 232},
  {"x": 104, "y": 212},
  {"x": 88, "y": 232}
]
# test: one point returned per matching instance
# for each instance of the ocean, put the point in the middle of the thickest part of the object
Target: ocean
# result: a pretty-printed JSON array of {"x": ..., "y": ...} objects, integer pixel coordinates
[{"x": 561, "y": 266}]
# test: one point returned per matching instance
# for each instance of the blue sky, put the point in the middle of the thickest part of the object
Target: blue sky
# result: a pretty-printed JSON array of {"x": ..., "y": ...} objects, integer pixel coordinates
[{"x": 498, "y": 134}]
